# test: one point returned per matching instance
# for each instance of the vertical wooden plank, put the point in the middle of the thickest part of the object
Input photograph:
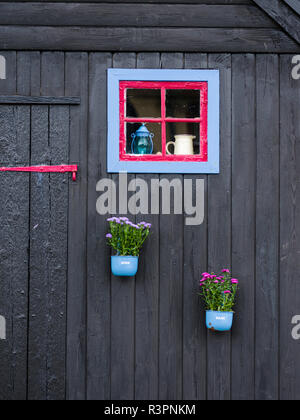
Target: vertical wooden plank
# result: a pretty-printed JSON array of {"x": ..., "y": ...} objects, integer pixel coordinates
[
  {"x": 39, "y": 248},
  {"x": 219, "y": 233},
  {"x": 171, "y": 287},
  {"x": 243, "y": 222},
  {"x": 267, "y": 228},
  {"x": 289, "y": 230},
  {"x": 77, "y": 85},
  {"x": 49, "y": 226},
  {"x": 123, "y": 306},
  {"x": 98, "y": 264},
  {"x": 195, "y": 263},
  {"x": 14, "y": 214},
  {"x": 147, "y": 290}
]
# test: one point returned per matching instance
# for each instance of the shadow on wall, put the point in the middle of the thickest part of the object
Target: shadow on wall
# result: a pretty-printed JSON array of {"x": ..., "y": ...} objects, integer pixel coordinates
[{"x": 2, "y": 67}]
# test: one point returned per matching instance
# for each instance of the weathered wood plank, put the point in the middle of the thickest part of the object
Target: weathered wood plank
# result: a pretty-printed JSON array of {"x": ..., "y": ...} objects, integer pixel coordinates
[
  {"x": 14, "y": 214},
  {"x": 77, "y": 83},
  {"x": 283, "y": 15},
  {"x": 219, "y": 251},
  {"x": 98, "y": 264},
  {"x": 146, "y": 39},
  {"x": 36, "y": 100},
  {"x": 147, "y": 290},
  {"x": 289, "y": 230},
  {"x": 171, "y": 286},
  {"x": 195, "y": 263},
  {"x": 144, "y": 1},
  {"x": 267, "y": 228},
  {"x": 49, "y": 205},
  {"x": 143, "y": 15},
  {"x": 123, "y": 305},
  {"x": 243, "y": 219}
]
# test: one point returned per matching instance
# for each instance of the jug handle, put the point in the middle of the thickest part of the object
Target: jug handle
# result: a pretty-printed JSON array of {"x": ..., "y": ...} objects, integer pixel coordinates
[{"x": 167, "y": 147}]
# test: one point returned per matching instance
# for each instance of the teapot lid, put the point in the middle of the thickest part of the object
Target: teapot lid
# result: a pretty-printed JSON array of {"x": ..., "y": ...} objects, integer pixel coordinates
[{"x": 143, "y": 130}]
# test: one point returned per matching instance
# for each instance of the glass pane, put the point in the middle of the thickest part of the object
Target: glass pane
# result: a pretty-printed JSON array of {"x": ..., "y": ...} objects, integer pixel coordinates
[
  {"x": 143, "y": 103},
  {"x": 183, "y": 103},
  {"x": 142, "y": 145},
  {"x": 183, "y": 138}
]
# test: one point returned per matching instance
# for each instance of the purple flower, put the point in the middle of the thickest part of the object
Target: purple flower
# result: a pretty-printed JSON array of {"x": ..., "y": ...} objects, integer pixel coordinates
[
  {"x": 109, "y": 236},
  {"x": 124, "y": 219},
  {"x": 225, "y": 270},
  {"x": 148, "y": 225}
]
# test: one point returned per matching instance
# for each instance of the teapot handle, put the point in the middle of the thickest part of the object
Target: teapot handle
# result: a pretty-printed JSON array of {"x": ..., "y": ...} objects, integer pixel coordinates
[{"x": 167, "y": 147}]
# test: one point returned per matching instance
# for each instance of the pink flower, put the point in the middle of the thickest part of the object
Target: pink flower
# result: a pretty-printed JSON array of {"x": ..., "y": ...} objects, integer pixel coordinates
[
  {"x": 201, "y": 284},
  {"x": 216, "y": 281},
  {"x": 225, "y": 270},
  {"x": 204, "y": 279},
  {"x": 227, "y": 292},
  {"x": 219, "y": 278},
  {"x": 205, "y": 274},
  {"x": 234, "y": 281}
]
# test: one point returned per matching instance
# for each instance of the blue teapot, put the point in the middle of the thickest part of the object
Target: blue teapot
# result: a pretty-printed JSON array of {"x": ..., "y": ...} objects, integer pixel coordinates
[{"x": 142, "y": 143}]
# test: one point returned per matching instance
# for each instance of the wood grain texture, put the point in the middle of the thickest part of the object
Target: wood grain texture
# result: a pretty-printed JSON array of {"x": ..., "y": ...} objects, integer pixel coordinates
[
  {"x": 267, "y": 228},
  {"x": 123, "y": 302},
  {"x": 146, "y": 39},
  {"x": 284, "y": 15},
  {"x": 171, "y": 287},
  {"x": 134, "y": 15},
  {"x": 14, "y": 215},
  {"x": 98, "y": 268},
  {"x": 219, "y": 226},
  {"x": 147, "y": 290},
  {"x": 289, "y": 230},
  {"x": 243, "y": 222},
  {"x": 195, "y": 263},
  {"x": 36, "y": 100},
  {"x": 77, "y": 83}
]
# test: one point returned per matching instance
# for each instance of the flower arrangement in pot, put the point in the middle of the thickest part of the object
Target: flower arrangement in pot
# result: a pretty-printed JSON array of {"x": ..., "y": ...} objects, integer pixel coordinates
[
  {"x": 219, "y": 295},
  {"x": 126, "y": 239}
]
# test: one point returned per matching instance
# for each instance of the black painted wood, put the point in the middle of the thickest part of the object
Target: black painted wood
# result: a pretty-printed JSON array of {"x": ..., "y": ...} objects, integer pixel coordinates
[
  {"x": 243, "y": 223},
  {"x": 171, "y": 286},
  {"x": 14, "y": 211},
  {"x": 98, "y": 269},
  {"x": 147, "y": 290},
  {"x": 289, "y": 231},
  {"x": 267, "y": 228},
  {"x": 195, "y": 263},
  {"x": 219, "y": 226},
  {"x": 36, "y": 100},
  {"x": 284, "y": 15},
  {"x": 134, "y": 15},
  {"x": 226, "y": 40},
  {"x": 76, "y": 82},
  {"x": 123, "y": 303}
]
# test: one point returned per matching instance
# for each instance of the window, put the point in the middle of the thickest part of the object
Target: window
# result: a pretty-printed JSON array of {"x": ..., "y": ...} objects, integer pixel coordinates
[{"x": 163, "y": 121}]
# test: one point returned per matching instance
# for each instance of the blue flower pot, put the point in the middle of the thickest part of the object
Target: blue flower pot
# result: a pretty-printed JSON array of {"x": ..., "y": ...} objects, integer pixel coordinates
[
  {"x": 219, "y": 321},
  {"x": 124, "y": 266}
]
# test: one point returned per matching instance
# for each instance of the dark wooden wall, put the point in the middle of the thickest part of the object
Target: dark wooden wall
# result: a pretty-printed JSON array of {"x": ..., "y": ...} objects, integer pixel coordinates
[
  {"x": 73, "y": 330},
  {"x": 76, "y": 332}
]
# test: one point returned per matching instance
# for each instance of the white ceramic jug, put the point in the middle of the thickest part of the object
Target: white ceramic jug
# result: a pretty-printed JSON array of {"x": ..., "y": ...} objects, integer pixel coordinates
[{"x": 183, "y": 145}]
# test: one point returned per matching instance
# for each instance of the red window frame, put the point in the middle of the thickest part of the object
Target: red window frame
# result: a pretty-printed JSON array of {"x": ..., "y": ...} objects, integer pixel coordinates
[{"x": 163, "y": 120}]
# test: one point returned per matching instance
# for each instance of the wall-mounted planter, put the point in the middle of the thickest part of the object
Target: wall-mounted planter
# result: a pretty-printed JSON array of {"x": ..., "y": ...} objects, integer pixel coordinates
[
  {"x": 219, "y": 321},
  {"x": 124, "y": 266}
]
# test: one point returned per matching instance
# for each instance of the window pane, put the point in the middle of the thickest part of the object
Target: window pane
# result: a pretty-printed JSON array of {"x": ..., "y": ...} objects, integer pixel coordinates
[
  {"x": 143, "y": 145},
  {"x": 183, "y": 103},
  {"x": 143, "y": 103},
  {"x": 189, "y": 141}
]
